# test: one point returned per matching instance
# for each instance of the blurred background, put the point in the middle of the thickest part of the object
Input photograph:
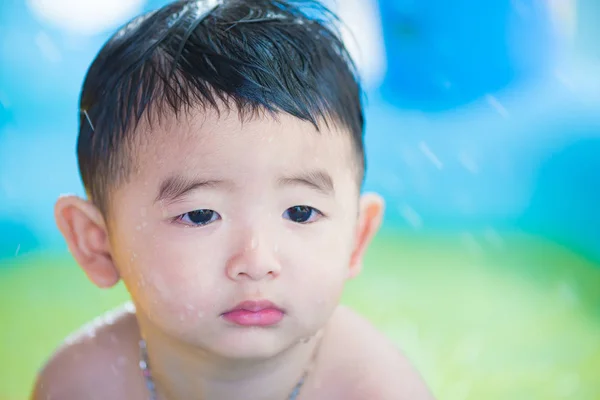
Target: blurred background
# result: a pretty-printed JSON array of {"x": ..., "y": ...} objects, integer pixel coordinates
[{"x": 483, "y": 135}]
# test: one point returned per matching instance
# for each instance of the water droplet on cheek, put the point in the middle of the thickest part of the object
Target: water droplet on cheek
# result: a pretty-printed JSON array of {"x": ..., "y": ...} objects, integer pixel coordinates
[{"x": 200, "y": 314}]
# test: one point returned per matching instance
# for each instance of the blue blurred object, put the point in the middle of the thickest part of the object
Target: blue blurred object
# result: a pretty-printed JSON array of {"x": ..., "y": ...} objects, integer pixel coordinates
[
  {"x": 487, "y": 160},
  {"x": 442, "y": 54},
  {"x": 5, "y": 116},
  {"x": 564, "y": 206}
]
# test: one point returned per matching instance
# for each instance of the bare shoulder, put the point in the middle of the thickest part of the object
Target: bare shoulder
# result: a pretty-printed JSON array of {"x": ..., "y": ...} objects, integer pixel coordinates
[
  {"x": 364, "y": 364},
  {"x": 98, "y": 361}
]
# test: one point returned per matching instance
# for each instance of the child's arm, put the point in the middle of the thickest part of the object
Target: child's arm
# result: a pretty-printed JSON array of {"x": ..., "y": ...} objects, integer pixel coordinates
[
  {"x": 392, "y": 379},
  {"x": 374, "y": 367},
  {"x": 69, "y": 374},
  {"x": 99, "y": 362}
]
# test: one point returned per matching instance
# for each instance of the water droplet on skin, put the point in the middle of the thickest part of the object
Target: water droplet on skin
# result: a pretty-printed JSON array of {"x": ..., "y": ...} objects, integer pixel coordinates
[
  {"x": 253, "y": 243},
  {"x": 121, "y": 361},
  {"x": 129, "y": 307},
  {"x": 71, "y": 339},
  {"x": 276, "y": 249},
  {"x": 200, "y": 314},
  {"x": 143, "y": 211},
  {"x": 190, "y": 307}
]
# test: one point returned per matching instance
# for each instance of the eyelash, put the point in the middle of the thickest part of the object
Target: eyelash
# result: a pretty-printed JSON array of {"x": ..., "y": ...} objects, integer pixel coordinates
[{"x": 180, "y": 218}]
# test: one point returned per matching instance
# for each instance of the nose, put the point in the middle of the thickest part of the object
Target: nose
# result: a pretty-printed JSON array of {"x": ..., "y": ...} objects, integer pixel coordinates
[{"x": 254, "y": 261}]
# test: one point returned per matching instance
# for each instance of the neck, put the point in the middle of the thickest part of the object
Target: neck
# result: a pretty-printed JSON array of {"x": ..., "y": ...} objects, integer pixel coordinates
[{"x": 182, "y": 371}]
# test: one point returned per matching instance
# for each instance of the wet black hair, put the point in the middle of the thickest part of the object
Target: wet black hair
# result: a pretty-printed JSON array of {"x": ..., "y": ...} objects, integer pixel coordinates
[{"x": 253, "y": 56}]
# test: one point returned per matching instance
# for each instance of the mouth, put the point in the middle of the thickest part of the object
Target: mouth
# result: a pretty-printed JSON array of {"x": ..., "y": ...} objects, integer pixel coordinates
[{"x": 255, "y": 313}]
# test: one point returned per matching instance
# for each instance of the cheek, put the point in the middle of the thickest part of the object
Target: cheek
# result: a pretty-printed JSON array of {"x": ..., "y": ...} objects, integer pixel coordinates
[
  {"x": 170, "y": 278},
  {"x": 321, "y": 266}
]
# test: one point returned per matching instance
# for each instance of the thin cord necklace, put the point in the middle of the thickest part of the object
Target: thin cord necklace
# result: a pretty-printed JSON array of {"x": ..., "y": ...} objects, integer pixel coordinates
[{"x": 145, "y": 368}]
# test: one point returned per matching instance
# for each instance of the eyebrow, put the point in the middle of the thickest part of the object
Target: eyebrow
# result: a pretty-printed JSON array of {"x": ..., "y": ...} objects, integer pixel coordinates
[
  {"x": 316, "y": 180},
  {"x": 177, "y": 186}
]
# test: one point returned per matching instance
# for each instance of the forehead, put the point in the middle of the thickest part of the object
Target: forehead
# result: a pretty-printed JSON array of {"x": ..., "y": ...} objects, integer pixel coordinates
[{"x": 222, "y": 143}]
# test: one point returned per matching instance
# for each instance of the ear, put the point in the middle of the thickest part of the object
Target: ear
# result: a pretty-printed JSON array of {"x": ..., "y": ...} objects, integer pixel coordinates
[
  {"x": 369, "y": 220},
  {"x": 84, "y": 229}
]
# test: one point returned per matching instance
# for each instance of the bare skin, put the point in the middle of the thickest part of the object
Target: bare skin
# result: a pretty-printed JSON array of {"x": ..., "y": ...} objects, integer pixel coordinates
[
  {"x": 360, "y": 365},
  {"x": 217, "y": 212}
]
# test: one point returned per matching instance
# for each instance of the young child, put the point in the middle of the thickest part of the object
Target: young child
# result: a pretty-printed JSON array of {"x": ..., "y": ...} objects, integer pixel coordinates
[{"x": 221, "y": 148}]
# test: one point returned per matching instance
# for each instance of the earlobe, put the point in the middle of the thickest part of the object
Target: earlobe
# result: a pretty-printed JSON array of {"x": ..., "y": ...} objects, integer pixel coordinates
[
  {"x": 84, "y": 230},
  {"x": 370, "y": 217}
]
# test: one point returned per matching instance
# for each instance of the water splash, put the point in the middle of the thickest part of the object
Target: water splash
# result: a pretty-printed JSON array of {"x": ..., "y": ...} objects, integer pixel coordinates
[
  {"x": 411, "y": 216},
  {"x": 468, "y": 163},
  {"x": 430, "y": 155},
  {"x": 496, "y": 105}
]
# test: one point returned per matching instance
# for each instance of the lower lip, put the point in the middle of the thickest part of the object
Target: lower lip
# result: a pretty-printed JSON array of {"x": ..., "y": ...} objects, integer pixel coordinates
[{"x": 266, "y": 317}]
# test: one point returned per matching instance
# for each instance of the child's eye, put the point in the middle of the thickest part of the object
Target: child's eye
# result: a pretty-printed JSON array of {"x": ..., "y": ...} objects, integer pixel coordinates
[
  {"x": 302, "y": 214},
  {"x": 199, "y": 217}
]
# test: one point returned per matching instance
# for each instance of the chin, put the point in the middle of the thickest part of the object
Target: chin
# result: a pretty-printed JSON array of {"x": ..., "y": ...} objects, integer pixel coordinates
[{"x": 252, "y": 343}]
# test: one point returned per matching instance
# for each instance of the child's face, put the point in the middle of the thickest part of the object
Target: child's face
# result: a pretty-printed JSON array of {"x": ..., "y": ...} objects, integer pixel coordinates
[{"x": 236, "y": 234}]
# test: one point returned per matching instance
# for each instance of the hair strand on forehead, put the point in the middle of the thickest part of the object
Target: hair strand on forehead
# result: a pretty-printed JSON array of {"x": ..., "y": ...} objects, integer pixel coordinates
[{"x": 253, "y": 56}]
